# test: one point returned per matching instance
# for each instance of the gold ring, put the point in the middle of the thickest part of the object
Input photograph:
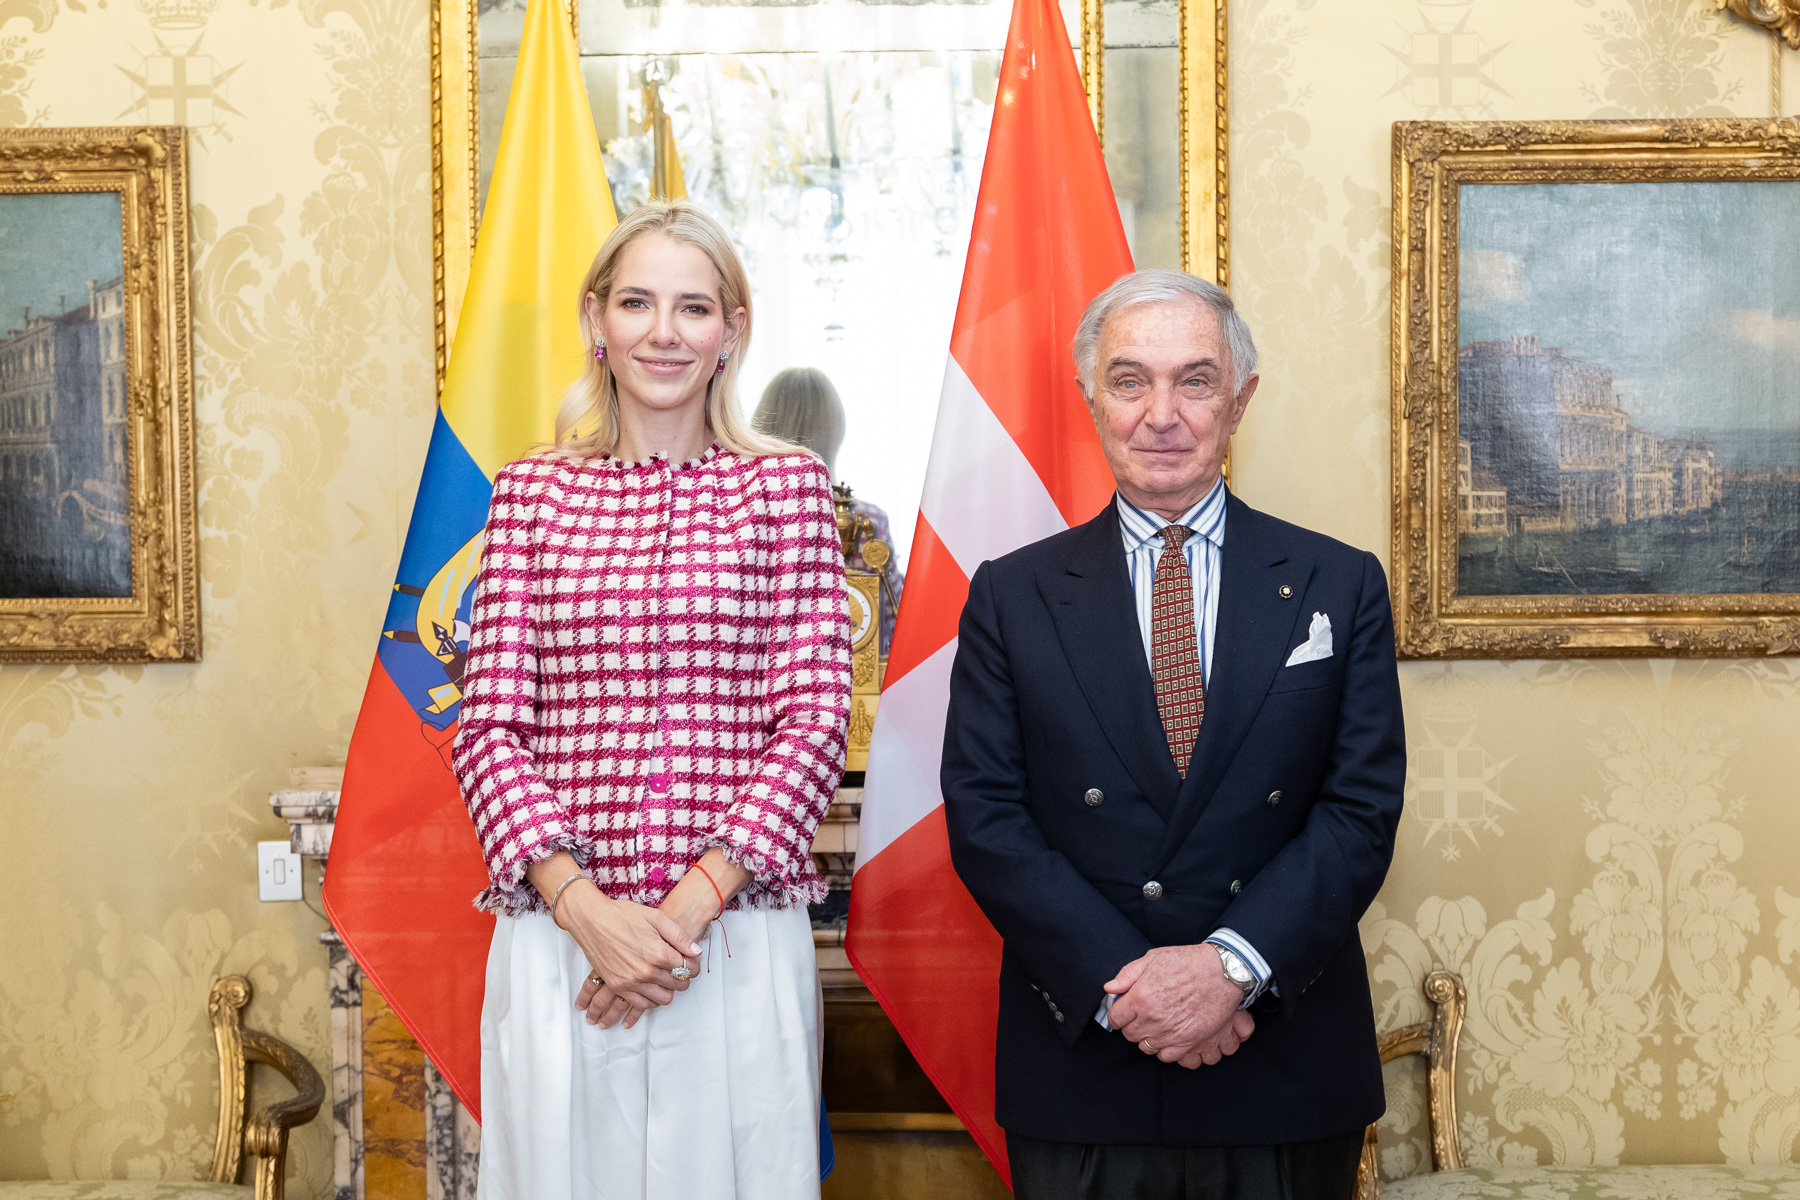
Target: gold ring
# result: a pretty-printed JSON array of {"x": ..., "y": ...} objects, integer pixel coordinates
[
  {"x": 1146, "y": 1047},
  {"x": 594, "y": 978}
]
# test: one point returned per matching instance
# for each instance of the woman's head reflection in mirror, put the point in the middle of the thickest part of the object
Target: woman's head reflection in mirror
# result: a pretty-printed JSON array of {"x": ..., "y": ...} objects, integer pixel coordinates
[{"x": 800, "y": 405}]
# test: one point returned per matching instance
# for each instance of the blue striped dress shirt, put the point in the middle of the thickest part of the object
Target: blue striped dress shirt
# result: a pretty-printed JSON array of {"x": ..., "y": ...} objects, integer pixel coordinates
[{"x": 1144, "y": 546}]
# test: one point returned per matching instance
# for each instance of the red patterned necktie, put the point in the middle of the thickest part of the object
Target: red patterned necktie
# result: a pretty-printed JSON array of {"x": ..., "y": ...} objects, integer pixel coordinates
[{"x": 1174, "y": 649}]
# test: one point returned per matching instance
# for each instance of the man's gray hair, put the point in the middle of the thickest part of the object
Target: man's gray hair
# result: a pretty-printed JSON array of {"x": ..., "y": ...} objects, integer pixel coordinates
[{"x": 1158, "y": 285}]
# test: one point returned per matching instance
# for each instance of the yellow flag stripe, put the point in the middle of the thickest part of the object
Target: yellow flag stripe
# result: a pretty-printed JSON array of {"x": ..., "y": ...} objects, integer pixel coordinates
[{"x": 518, "y": 346}]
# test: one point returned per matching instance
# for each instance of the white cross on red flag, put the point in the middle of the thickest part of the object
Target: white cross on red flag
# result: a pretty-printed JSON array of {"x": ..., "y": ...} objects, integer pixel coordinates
[{"x": 1014, "y": 459}]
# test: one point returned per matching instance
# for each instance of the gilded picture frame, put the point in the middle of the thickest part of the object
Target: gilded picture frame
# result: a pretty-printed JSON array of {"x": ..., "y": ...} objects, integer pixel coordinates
[
  {"x": 1607, "y": 540},
  {"x": 121, "y": 362}
]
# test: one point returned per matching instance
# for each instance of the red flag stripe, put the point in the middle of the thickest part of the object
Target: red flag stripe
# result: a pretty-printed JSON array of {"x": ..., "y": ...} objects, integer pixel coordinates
[
  {"x": 416, "y": 906},
  {"x": 1029, "y": 275},
  {"x": 936, "y": 972},
  {"x": 932, "y": 605}
]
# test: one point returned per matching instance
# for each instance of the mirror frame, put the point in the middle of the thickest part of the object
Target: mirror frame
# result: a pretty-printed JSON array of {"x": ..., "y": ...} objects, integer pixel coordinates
[{"x": 1205, "y": 148}]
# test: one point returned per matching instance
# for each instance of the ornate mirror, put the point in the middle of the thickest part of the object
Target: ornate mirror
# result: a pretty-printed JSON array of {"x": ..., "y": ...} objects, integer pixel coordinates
[{"x": 842, "y": 141}]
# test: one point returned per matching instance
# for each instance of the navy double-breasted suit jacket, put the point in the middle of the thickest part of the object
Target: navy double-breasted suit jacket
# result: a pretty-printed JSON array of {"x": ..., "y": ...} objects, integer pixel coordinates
[{"x": 1282, "y": 830}]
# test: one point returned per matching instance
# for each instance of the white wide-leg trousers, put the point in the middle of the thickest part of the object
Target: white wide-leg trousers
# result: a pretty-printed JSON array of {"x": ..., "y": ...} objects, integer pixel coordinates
[{"x": 713, "y": 1097}]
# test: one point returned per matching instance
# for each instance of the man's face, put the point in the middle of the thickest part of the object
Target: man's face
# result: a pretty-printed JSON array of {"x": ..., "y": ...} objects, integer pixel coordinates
[{"x": 1163, "y": 403}]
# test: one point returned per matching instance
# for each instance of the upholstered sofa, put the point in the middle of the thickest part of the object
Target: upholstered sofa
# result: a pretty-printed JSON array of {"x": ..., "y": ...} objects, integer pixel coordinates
[
  {"x": 1436, "y": 1041},
  {"x": 262, "y": 1138}
]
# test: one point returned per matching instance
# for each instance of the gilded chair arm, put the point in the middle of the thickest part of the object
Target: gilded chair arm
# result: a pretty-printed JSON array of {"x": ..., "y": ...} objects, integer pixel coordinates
[
  {"x": 1368, "y": 1169},
  {"x": 1436, "y": 1041},
  {"x": 266, "y": 1136}
]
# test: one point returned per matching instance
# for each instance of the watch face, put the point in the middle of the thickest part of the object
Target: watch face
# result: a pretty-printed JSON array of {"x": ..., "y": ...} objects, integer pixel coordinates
[{"x": 1235, "y": 970}]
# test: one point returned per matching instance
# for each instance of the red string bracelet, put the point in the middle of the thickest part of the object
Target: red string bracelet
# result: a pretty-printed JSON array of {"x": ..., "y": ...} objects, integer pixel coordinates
[
  {"x": 721, "y": 917},
  {"x": 715, "y": 887}
]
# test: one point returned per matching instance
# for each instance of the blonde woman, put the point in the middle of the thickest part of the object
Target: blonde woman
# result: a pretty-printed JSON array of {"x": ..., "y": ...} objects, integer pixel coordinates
[{"x": 656, "y": 698}]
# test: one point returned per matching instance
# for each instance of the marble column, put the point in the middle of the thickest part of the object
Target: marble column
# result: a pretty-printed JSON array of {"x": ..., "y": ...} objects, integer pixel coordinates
[{"x": 452, "y": 1136}]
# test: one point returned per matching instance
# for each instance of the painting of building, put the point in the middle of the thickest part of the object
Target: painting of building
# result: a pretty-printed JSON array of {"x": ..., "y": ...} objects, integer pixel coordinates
[
  {"x": 1628, "y": 418},
  {"x": 64, "y": 446},
  {"x": 1480, "y": 498}
]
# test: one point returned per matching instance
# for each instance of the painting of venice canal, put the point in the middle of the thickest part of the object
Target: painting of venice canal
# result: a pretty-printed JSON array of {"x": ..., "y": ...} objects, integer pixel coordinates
[
  {"x": 64, "y": 525},
  {"x": 1628, "y": 389}
]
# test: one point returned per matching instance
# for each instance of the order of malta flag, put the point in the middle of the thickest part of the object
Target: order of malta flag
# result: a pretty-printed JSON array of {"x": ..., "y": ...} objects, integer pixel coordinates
[
  {"x": 405, "y": 864},
  {"x": 1014, "y": 459}
]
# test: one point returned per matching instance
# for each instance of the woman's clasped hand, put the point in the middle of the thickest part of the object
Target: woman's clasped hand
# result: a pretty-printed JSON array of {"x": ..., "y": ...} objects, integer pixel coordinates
[{"x": 633, "y": 949}]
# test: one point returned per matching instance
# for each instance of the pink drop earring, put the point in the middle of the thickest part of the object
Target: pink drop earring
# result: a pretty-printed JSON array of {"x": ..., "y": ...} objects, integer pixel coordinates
[
  {"x": 722, "y": 359},
  {"x": 599, "y": 349}
]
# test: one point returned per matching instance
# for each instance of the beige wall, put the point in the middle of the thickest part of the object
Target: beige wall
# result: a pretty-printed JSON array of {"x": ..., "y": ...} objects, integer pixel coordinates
[
  {"x": 1605, "y": 850},
  {"x": 1612, "y": 875},
  {"x": 131, "y": 799}
]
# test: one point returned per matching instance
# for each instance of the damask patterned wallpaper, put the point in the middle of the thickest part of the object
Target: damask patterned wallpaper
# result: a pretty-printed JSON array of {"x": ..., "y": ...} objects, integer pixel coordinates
[
  {"x": 130, "y": 800},
  {"x": 1604, "y": 850}
]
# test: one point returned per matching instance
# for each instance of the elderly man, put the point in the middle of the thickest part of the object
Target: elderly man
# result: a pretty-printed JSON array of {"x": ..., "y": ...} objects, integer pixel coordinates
[{"x": 1172, "y": 773}]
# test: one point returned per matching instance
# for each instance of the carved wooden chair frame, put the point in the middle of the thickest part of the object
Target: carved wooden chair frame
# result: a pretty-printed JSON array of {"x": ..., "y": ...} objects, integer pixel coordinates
[
  {"x": 263, "y": 1136},
  {"x": 1435, "y": 1041}
]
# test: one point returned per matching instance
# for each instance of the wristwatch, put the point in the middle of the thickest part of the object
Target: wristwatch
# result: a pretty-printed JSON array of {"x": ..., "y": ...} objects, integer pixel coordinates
[{"x": 1235, "y": 969}]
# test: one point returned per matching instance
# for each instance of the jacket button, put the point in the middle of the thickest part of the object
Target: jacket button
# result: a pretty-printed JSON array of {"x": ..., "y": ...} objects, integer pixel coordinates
[
  {"x": 1093, "y": 797},
  {"x": 1059, "y": 1018},
  {"x": 1237, "y": 885},
  {"x": 1274, "y": 798},
  {"x": 1152, "y": 890}
]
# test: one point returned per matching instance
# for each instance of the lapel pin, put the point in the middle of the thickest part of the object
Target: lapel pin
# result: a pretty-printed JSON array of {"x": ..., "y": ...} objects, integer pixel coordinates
[{"x": 1285, "y": 592}]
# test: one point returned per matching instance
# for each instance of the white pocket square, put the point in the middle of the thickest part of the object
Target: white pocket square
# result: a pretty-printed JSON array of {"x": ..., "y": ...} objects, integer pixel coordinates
[{"x": 1317, "y": 644}]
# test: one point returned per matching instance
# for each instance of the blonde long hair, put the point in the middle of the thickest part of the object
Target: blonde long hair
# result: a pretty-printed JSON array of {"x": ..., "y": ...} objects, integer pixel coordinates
[{"x": 587, "y": 424}]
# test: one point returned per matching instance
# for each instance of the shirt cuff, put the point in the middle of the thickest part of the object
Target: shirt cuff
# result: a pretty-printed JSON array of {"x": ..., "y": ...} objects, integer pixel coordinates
[
  {"x": 1259, "y": 966},
  {"x": 1100, "y": 1018}
]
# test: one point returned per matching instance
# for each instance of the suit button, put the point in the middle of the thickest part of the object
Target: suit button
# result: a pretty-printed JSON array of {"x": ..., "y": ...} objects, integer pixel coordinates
[
  {"x": 1059, "y": 1018},
  {"x": 1094, "y": 797},
  {"x": 1237, "y": 885},
  {"x": 1274, "y": 799},
  {"x": 1152, "y": 890}
]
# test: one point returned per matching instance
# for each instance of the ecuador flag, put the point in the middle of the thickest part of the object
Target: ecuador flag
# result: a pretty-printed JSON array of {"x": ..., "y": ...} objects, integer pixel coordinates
[{"x": 405, "y": 864}]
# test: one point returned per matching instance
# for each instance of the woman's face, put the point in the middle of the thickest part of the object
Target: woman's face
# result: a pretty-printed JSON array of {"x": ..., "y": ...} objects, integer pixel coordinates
[{"x": 664, "y": 324}]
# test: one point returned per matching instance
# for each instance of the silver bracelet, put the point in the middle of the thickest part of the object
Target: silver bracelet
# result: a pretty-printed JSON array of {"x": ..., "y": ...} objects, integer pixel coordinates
[{"x": 560, "y": 889}]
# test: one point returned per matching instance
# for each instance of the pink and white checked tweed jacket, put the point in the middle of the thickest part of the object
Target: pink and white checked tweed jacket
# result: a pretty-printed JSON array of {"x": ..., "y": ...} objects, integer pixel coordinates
[{"x": 659, "y": 663}]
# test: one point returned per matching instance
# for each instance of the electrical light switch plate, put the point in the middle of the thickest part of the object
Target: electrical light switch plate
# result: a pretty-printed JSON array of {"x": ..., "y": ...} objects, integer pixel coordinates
[{"x": 277, "y": 872}]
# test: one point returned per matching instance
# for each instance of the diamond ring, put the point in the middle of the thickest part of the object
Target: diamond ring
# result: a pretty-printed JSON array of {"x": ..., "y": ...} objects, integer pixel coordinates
[{"x": 683, "y": 972}]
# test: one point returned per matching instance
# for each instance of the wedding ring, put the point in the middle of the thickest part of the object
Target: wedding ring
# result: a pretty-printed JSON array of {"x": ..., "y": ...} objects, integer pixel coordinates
[
  {"x": 594, "y": 978},
  {"x": 682, "y": 972},
  {"x": 1146, "y": 1047}
]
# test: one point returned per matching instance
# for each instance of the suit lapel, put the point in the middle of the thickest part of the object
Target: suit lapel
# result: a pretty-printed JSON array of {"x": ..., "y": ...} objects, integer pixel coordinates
[
  {"x": 1254, "y": 634},
  {"x": 1091, "y": 605}
]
